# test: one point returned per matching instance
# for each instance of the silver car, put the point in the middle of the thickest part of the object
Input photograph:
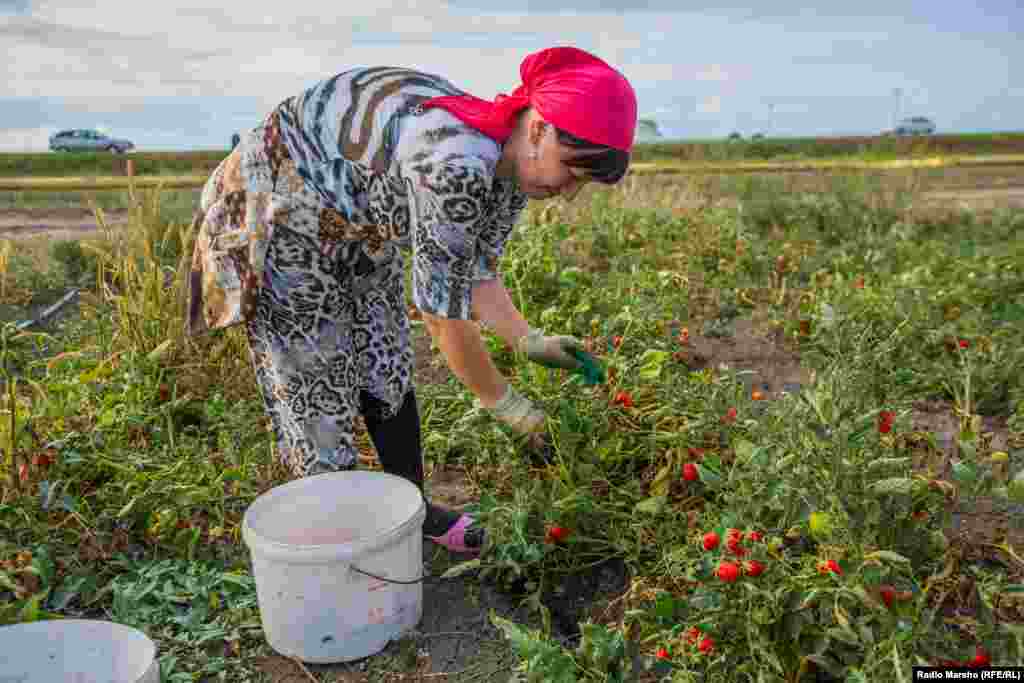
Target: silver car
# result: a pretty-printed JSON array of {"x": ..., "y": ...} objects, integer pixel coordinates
[{"x": 87, "y": 140}]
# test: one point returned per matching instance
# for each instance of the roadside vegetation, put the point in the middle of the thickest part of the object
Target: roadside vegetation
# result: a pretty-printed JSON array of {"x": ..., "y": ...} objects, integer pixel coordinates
[{"x": 867, "y": 148}]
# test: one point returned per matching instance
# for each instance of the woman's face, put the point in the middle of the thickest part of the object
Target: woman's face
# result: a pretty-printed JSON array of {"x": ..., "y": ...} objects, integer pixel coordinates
[{"x": 548, "y": 175}]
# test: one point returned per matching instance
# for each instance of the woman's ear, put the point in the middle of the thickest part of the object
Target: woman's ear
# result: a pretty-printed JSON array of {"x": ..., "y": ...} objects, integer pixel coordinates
[{"x": 536, "y": 129}]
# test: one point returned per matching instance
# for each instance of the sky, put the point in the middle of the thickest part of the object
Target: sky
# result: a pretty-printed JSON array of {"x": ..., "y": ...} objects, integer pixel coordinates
[{"x": 184, "y": 75}]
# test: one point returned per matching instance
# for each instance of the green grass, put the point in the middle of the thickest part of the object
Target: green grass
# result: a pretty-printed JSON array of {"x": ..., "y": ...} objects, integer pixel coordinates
[
  {"x": 178, "y": 202},
  {"x": 154, "y": 445}
]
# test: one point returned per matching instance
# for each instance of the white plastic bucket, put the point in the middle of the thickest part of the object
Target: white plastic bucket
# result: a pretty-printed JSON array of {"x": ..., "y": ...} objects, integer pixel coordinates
[
  {"x": 76, "y": 651},
  {"x": 306, "y": 536}
]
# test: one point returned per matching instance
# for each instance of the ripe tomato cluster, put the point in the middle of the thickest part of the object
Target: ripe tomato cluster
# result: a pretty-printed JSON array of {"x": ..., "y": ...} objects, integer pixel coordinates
[
  {"x": 981, "y": 659},
  {"x": 730, "y": 571},
  {"x": 695, "y": 639}
]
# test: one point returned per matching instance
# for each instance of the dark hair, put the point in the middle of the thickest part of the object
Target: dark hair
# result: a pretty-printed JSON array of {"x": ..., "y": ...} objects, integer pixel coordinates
[{"x": 604, "y": 164}]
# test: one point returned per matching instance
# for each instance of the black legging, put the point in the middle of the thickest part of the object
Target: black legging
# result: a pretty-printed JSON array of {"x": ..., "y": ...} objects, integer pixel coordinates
[{"x": 400, "y": 452}]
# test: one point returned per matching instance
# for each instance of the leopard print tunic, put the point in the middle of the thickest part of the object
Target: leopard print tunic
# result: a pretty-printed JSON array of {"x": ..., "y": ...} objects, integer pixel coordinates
[{"x": 302, "y": 235}]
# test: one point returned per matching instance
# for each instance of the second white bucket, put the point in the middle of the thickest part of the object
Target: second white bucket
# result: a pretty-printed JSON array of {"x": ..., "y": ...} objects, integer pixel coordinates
[
  {"x": 76, "y": 651},
  {"x": 307, "y": 536}
]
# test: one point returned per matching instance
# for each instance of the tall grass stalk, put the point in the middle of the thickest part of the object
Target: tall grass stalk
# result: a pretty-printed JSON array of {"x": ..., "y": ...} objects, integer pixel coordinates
[
  {"x": 5, "y": 259},
  {"x": 142, "y": 280},
  {"x": 11, "y": 382}
]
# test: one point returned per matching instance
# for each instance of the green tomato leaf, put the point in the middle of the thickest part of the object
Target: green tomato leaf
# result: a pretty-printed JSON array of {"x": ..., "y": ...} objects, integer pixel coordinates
[
  {"x": 964, "y": 473},
  {"x": 710, "y": 478},
  {"x": 888, "y": 555},
  {"x": 744, "y": 450},
  {"x": 461, "y": 568},
  {"x": 652, "y": 506},
  {"x": 651, "y": 363}
]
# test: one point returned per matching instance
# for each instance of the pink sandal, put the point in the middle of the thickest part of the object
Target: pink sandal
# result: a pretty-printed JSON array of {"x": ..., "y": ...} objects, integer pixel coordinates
[{"x": 455, "y": 538}]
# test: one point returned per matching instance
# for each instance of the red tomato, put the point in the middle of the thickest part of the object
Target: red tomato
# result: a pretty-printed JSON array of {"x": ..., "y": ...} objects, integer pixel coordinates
[
  {"x": 728, "y": 571},
  {"x": 754, "y": 568},
  {"x": 888, "y": 594},
  {"x": 557, "y": 534},
  {"x": 624, "y": 399},
  {"x": 829, "y": 567}
]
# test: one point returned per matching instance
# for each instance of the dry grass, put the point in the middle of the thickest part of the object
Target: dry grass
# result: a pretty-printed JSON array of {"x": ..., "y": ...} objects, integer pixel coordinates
[{"x": 81, "y": 183}]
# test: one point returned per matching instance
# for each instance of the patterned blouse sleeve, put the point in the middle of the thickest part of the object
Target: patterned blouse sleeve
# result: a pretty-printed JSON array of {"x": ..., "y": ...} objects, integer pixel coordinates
[
  {"x": 491, "y": 243},
  {"x": 447, "y": 203}
]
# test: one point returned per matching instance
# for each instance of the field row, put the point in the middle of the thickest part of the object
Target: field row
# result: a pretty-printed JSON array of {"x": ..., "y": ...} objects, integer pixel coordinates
[{"x": 806, "y": 462}]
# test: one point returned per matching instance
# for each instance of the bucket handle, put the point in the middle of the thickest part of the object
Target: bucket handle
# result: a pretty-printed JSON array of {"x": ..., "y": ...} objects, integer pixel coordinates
[{"x": 382, "y": 578}]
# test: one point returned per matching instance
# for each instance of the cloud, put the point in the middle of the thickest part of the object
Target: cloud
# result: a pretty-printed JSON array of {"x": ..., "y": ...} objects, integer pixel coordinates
[
  {"x": 779, "y": 9},
  {"x": 59, "y": 59},
  {"x": 205, "y": 70},
  {"x": 710, "y": 105},
  {"x": 175, "y": 50},
  {"x": 713, "y": 72},
  {"x": 731, "y": 74},
  {"x": 25, "y": 139},
  {"x": 651, "y": 73}
]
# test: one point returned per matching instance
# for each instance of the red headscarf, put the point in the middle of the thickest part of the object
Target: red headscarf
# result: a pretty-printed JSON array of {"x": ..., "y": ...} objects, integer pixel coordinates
[{"x": 572, "y": 89}]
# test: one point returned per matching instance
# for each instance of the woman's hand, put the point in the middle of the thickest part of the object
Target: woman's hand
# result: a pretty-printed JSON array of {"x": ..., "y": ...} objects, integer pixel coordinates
[
  {"x": 552, "y": 352},
  {"x": 519, "y": 412}
]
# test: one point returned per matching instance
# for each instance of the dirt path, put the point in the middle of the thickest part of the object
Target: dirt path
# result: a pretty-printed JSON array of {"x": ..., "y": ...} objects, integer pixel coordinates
[
  {"x": 56, "y": 223},
  {"x": 79, "y": 223},
  {"x": 978, "y": 200}
]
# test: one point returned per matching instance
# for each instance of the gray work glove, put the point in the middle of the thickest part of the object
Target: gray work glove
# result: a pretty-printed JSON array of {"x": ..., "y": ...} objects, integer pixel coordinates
[
  {"x": 551, "y": 352},
  {"x": 519, "y": 412}
]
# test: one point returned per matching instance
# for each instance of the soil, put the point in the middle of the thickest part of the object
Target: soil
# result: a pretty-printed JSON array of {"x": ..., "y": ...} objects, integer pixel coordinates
[
  {"x": 59, "y": 223},
  {"x": 775, "y": 367},
  {"x": 431, "y": 367},
  {"x": 456, "y": 640},
  {"x": 979, "y": 199}
]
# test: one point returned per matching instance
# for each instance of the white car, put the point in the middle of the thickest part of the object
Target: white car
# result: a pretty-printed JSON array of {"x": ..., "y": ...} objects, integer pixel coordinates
[{"x": 915, "y": 125}]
